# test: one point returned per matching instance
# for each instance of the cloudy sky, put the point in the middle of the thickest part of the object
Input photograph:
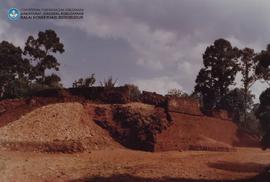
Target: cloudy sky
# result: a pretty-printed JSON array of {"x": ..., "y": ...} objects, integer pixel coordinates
[{"x": 155, "y": 44}]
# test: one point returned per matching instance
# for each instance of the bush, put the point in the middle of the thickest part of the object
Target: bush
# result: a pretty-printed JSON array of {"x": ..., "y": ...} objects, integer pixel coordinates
[
  {"x": 109, "y": 83},
  {"x": 140, "y": 129},
  {"x": 85, "y": 83},
  {"x": 176, "y": 93},
  {"x": 134, "y": 92}
]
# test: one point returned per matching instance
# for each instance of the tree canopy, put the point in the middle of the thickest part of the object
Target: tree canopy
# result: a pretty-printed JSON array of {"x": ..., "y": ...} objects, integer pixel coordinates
[
  {"x": 218, "y": 73},
  {"x": 14, "y": 69},
  {"x": 24, "y": 70},
  {"x": 40, "y": 52}
]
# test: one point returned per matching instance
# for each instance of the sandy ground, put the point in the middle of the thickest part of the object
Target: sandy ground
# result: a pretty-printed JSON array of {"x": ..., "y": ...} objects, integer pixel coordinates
[{"x": 128, "y": 165}]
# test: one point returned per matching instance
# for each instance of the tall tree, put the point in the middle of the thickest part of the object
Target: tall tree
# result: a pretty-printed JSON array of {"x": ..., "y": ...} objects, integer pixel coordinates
[
  {"x": 263, "y": 114},
  {"x": 247, "y": 68},
  {"x": 262, "y": 65},
  {"x": 220, "y": 68},
  {"x": 40, "y": 52},
  {"x": 236, "y": 103},
  {"x": 14, "y": 70}
]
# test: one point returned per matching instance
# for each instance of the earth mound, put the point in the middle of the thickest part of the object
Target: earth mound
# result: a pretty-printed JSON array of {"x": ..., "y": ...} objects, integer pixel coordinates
[{"x": 57, "y": 127}]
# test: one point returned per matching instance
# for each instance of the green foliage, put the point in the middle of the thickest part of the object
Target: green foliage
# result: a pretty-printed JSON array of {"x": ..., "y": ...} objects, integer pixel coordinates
[
  {"x": 109, "y": 83},
  {"x": 263, "y": 112},
  {"x": 220, "y": 68},
  {"x": 24, "y": 71},
  {"x": 262, "y": 65},
  {"x": 247, "y": 69},
  {"x": 177, "y": 93},
  {"x": 252, "y": 124},
  {"x": 194, "y": 95},
  {"x": 53, "y": 81},
  {"x": 135, "y": 129},
  {"x": 234, "y": 103},
  {"x": 14, "y": 71},
  {"x": 40, "y": 52},
  {"x": 85, "y": 83}
]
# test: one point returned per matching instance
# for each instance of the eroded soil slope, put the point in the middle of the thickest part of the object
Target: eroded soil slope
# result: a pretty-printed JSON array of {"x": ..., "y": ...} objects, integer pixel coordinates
[{"x": 203, "y": 133}]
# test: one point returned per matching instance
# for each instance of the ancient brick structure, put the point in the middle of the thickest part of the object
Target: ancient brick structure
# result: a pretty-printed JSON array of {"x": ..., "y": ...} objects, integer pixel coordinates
[
  {"x": 183, "y": 105},
  {"x": 153, "y": 98},
  {"x": 125, "y": 94},
  {"x": 115, "y": 95}
]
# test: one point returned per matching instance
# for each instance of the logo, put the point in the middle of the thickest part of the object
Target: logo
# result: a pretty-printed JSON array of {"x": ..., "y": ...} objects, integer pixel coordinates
[{"x": 14, "y": 14}]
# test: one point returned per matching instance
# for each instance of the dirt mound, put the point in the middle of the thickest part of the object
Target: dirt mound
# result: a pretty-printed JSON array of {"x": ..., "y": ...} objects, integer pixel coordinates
[
  {"x": 50, "y": 126},
  {"x": 24, "y": 106}
]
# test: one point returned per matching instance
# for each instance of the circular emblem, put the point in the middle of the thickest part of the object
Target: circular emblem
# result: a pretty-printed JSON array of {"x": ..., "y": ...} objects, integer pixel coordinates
[{"x": 14, "y": 14}]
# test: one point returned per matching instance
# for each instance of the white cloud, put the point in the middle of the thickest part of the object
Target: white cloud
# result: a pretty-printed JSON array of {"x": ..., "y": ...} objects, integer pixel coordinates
[
  {"x": 257, "y": 46},
  {"x": 168, "y": 38},
  {"x": 154, "y": 47},
  {"x": 11, "y": 34},
  {"x": 160, "y": 85}
]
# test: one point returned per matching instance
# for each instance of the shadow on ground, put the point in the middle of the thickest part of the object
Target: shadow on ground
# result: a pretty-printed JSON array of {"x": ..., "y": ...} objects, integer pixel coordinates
[
  {"x": 265, "y": 177},
  {"x": 238, "y": 167}
]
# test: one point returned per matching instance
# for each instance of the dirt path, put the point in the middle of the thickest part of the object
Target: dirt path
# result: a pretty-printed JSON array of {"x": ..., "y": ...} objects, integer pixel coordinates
[{"x": 132, "y": 165}]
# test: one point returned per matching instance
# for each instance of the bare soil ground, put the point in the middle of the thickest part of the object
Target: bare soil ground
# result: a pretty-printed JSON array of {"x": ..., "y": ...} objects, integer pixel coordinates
[
  {"x": 128, "y": 165},
  {"x": 62, "y": 142}
]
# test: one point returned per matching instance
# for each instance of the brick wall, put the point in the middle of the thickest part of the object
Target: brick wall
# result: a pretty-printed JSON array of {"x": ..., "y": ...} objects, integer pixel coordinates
[{"x": 184, "y": 105}]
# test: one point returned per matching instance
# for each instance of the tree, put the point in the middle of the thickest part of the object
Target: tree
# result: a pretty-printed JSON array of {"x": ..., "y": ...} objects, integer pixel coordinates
[
  {"x": 85, "y": 83},
  {"x": 14, "y": 70},
  {"x": 177, "y": 93},
  {"x": 40, "y": 53},
  {"x": 247, "y": 68},
  {"x": 262, "y": 60},
  {"x": 263, "y": 114},
  {"x": 220, "y": 68},
  {"x": 53, "y": 81},
  {"x": 236, "y": 102}
]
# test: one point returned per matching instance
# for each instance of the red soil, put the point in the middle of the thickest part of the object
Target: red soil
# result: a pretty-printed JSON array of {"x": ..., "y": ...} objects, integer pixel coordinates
[
  {"x": 186, "y": 132},
  {"x": 193, "y": 132},
  {"x": 106, "y": 160}
]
